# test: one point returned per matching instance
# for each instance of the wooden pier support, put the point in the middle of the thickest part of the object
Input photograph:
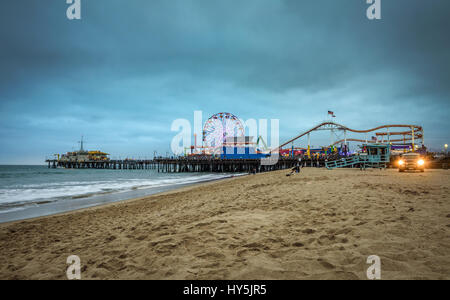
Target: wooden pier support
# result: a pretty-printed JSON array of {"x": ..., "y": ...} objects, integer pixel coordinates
[
  {"x": 110, "y": 164},
  {"x": 180, "y": 165}
]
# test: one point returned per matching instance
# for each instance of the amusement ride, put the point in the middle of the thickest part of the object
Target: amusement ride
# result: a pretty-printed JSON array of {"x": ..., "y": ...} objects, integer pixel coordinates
[{"x": 221, "y": 128}]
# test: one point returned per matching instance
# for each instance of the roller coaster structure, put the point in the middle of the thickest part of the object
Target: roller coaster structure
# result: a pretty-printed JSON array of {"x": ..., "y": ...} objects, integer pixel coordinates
[{"x": 414, "y": 135}]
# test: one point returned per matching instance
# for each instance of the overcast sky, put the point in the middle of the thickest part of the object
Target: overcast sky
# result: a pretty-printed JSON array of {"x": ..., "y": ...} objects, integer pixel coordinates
[{"x": 123, "y": 73}]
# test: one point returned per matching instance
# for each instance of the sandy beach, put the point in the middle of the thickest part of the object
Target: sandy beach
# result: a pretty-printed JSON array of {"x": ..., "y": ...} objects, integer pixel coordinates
[{"x": 319, "y": 224}]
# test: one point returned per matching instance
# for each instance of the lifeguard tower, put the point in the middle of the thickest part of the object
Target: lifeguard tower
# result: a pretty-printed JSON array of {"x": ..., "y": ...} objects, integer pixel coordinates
[{"x": 371, "y": 156}]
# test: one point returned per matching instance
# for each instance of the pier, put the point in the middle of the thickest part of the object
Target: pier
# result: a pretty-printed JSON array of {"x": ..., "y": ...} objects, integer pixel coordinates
[
  {"x": 190, "y": 164},
  {"x": 105, "y": 164}
]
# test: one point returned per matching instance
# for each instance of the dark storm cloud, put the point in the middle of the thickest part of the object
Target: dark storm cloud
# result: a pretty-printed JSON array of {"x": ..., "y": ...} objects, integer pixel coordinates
[{"x": 128, "y": 69}]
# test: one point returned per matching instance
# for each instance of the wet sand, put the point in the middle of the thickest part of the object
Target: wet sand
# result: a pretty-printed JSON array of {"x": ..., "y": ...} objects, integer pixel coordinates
[{"x": 319, "y": 224}]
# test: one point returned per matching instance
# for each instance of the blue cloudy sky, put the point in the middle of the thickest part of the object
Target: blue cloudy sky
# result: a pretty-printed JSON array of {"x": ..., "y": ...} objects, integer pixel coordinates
[{"x": 123, "y": 73}]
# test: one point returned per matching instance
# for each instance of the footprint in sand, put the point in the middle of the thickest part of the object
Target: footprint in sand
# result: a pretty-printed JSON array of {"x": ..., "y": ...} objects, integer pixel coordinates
[
  {"x": 326, "y": 264},
  {"x": 210, "y": 255}
]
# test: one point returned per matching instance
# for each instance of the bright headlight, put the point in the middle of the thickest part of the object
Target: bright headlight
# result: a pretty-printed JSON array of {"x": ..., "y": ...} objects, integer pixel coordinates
[
  {"x": 421, "y": 162},
  {"x": 401, "y": 162}
]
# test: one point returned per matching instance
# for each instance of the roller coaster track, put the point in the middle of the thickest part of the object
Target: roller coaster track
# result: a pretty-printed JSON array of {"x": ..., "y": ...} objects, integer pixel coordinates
[
  {"x": 369, "y": 141},
  {"x": 417, "y": 130}
]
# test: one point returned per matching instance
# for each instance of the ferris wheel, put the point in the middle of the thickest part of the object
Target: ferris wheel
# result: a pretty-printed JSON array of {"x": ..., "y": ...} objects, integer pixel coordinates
[{"x": 219, "y": 127}]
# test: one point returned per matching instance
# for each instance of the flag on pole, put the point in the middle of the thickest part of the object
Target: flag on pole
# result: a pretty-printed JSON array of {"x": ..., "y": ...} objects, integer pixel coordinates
[{"x": 331, "y": 113}]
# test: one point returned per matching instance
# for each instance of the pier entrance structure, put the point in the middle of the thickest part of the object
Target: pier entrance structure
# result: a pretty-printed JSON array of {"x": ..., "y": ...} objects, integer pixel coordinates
[{"x": 372, "y": 156}]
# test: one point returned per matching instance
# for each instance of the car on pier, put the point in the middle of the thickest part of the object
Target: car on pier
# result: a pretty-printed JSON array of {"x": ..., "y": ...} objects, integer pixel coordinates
[{"x": 411, "y": 161}]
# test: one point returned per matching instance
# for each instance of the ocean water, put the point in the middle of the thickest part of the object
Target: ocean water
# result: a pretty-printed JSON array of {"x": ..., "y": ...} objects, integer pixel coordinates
[{"x": 33, "y": 191}]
